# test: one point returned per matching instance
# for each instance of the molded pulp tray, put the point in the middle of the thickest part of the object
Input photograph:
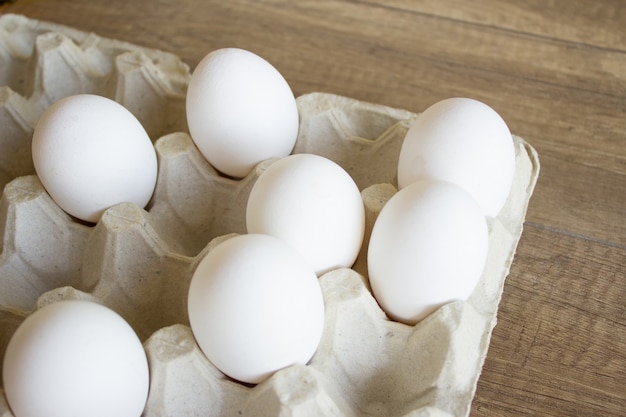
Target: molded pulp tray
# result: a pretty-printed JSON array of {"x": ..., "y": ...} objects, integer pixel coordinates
[{"x": 139, "y": 261}]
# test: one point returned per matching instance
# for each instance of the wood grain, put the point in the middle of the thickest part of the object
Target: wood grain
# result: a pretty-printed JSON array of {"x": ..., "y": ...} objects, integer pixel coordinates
[{"x": 555, "y": 70}]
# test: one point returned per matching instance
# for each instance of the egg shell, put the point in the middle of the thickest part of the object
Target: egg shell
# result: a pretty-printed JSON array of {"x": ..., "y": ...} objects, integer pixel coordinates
[
  {"x": 463, "y": 141},
  {"x": 428, "y": 248},
  {"x": 231, "y": 85},
  {"x": 313, "y": 204},
  {"x": 91, "y": 153},
  {"x": 75, "y": 358},
  {"x": 255, "y": 307},
  {"x": 139, "y": 262}
]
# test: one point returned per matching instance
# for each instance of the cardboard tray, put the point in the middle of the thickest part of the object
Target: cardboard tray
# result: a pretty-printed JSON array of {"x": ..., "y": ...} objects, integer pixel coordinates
[{"x": 140, "y": 261}]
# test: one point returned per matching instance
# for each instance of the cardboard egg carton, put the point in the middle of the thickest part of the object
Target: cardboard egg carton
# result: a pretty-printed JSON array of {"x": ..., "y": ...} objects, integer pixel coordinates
[{"x": 139, "y": 261}]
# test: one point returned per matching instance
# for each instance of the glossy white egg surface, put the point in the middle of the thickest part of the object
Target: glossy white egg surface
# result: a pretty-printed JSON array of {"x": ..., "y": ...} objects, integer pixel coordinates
[
  {"x": 255, "y": 307},
  {"x": 463, "y": 141},
  {"x": 240, "y": 111},
  {"x": 428, "y": 247},
  {"x": 75, "y": 358},
  {"x": 314, "y": 205},
  {"x": 91, "y": 153}
]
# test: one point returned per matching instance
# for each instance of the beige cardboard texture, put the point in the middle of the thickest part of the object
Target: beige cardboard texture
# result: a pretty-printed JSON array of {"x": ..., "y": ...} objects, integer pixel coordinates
[{"x": 140, "y": 261}]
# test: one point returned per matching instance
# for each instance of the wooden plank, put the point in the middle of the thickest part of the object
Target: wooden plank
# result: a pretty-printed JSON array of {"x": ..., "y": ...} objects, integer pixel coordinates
[
  {"x": 560, "y": 341},
  {"x": 598, "y": 23},
  {"x": 486, "y": 47},
  {"x": 591, "y": 207}
]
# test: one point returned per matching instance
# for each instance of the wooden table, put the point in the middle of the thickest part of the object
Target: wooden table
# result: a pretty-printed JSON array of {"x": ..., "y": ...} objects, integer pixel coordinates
[{"x": 555, "y": 71}]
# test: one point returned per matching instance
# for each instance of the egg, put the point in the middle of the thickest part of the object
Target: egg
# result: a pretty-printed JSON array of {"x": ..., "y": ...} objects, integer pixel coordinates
[
  {"x": 428, "y": 247},
  {"x": 463, "y": 141},
  {"x": 240, "y": 111},
  {"x": 314, "y": 205},
  {"x": 75, "y": 358},
  {"x": 255, "y": 307},
  {"x": 91, "y": 153}
]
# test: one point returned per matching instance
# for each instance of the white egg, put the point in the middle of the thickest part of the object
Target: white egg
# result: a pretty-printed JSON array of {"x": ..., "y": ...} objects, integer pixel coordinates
[
  {"x": 91, "y": 153},
  {"x": 463, "y": 141},
  {"x": 314, "y": 205},
  {"x": 240, "y": 111},
  {"x": 75, "y": 358},
  {"x": 255, "y": 307},
  {"x": 428, "y": 247}
]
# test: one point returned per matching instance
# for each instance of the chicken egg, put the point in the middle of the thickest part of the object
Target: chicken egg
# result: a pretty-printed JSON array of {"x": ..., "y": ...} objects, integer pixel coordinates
[
  {"x": 255, "y": 307},
  {"x": 75, "y": 358},
  {"x": 463, "y": 141},
  {"x": 428, "y": 247},
  {"x": 314, "y": 205},
  {"x": 240, "y": 111},
  {"x": 91, "y": 153}
]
